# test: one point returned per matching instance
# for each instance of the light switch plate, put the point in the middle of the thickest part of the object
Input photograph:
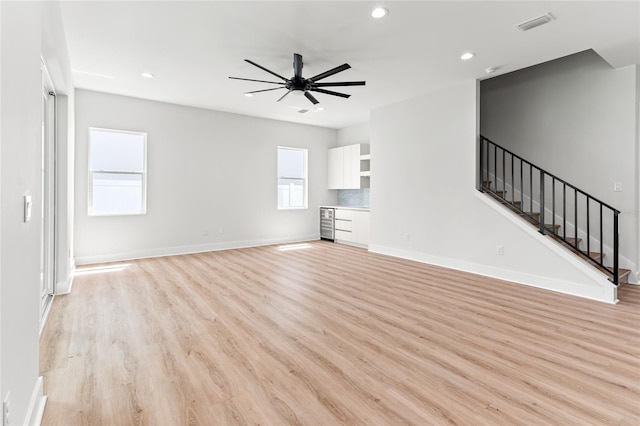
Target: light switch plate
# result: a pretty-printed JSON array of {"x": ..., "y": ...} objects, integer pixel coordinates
[
  {"x": 27, "y": 208},
  {"x": 617, "y": 186}
]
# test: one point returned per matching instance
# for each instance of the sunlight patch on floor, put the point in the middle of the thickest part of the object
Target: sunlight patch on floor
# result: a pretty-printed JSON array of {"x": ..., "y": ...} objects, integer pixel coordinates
[
  {"x": 101, "y": 269},
  {"x": 288, "y": 247}
]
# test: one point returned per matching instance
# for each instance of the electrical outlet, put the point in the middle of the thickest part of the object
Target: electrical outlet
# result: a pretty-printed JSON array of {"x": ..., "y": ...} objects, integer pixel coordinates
[
  {"x": 205, "y": 232},
  {"x": 220, "y": 230},
  {"x": 407, "y": 236},
  {"x": 500, "y": 250},
  {"x": 6, "y": 421},
  {"x": 617, "y": 186}
]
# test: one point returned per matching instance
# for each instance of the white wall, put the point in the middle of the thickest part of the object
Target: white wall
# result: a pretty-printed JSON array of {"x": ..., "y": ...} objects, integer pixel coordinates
[
  {"x": 1, "y": 222},
  {"x": 65, "y": 191},
  {"x": 56, "y": 58},
  {"x": 206, "y": 169},
  {"x": 25, "y": 29},
  {"x": 637, "y": 168},
  {"x": 574, "y": 117},
  {"x": 21, "y": 89},
  {"x": 357, "y": 133},
  {"x": 425, "y": 207}
]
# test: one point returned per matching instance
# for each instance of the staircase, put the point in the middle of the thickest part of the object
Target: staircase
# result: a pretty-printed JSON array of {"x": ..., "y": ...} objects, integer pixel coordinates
[{"x": 578, "y": 221}]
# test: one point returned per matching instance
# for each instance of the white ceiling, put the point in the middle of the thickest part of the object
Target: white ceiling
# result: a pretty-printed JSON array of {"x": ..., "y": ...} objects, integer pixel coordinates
[{"x": 193, "y": 47}]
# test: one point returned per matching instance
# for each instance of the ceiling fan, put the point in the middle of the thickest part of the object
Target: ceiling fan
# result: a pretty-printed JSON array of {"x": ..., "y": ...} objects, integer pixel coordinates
[{"x": 306, "y": 85}]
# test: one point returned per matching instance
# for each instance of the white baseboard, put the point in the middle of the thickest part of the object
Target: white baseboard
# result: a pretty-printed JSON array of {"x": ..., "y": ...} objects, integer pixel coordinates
[
  {"x": 598, "y": 288},
  {"x": 45, "y": 315},
  {"x": 604, "y": 293},
  {"x": 174, "y": 251},
  {"x": 36, "y": 404},
  {"x": 64, "y": 287}
]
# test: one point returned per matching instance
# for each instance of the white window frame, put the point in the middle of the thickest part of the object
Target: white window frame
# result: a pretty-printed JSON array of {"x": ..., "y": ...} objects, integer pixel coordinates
[
  {"x": 142, "y": 172},
  {"x": 305, "y": 179}
]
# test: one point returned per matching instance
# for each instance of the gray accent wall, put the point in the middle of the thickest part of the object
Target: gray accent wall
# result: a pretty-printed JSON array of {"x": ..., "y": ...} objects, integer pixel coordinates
[{"x": 576, "y": 118}]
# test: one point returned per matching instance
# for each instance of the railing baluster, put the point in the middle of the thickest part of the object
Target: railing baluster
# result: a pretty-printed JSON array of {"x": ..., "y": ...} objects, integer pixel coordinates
[
  {"x": 615, "y": 247},
  {"x": 513, "y": 186},
  {"x": 542, "y": 231},
  {"x": 530, "y": 188},
  {"x": 553, "y": 203},
  {"x": 504, "y": 178},
  {"x": 495, "y": 165},
  {"x": 521, "y": 188},
  {"x": 601, "y": 242},
  {"x": 481, "y": 165},
  {"x": 575, "y": 214},
  {"x": 588, "y": 230},
  {"x": 564, "y": 213}
]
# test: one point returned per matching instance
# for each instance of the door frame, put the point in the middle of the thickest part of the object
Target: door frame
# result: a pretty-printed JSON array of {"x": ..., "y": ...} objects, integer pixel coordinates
[{"x": 48, "y": 194}]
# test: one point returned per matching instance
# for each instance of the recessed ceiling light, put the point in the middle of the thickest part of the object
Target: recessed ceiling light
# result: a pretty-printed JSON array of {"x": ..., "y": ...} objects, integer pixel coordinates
[
  {"x": 248, "y": 95},
  {"x": 147, "y": 75},
  {"x": 491, "y": 70},
  {"x": 379, "y": 12},
  {"x": 319, "y": 109},
  {"x": 467, "y": 55}
]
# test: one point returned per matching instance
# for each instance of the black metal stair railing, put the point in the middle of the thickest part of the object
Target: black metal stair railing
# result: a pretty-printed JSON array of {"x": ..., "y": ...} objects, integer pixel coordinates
[{"x": 530, "y": 184}]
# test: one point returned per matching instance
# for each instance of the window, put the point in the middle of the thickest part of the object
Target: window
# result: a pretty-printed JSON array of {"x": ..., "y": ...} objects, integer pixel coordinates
[
  {"x": 292, "y": 178},
  {"x": 117, "y": 172}
]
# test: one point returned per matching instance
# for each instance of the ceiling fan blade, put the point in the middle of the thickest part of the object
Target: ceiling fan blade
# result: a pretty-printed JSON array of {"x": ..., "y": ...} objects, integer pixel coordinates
[
  {"x": 297, "y": 65},
  {"x": 342, "y": 83},
  {"x": 330, "y": 92},
  {"x": 264, "y": 90},
  {"x": 264, "y": 69},
  {"x": 283, "y": 96},
  {"x": 330, "y": 72},
  {"x": 259, "y": 81},
  {"x": 311, "y": 98}
]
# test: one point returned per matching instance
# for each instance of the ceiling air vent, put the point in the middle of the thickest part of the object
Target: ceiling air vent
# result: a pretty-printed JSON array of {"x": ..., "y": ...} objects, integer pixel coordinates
[{"x": 535, "y": 22}]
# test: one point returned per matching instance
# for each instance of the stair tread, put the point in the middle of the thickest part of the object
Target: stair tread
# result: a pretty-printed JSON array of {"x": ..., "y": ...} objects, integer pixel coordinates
[
  {"x": 623, "y": 274},
  {"x": 572, "y": 240}
]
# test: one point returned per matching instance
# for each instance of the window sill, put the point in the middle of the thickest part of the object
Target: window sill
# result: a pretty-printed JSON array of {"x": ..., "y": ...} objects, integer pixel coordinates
[
  {"x": 293, "y": 208},
  {"x": 117, "y": 214}
]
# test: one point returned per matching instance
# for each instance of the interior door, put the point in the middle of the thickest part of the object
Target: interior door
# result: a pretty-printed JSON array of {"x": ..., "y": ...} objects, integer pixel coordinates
[{"x": 47, "y": 213}]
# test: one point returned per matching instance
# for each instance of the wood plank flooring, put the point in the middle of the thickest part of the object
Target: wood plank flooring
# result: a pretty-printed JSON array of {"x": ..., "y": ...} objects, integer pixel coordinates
[{"x": 328, "y": 334}]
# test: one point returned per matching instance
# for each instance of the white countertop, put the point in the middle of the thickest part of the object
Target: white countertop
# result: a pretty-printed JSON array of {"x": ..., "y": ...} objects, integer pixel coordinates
[{"x": 362, "y": 209}]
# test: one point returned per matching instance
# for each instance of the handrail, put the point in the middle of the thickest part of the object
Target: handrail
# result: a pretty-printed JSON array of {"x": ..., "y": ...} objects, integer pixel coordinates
[
  {"x": 543, "y": 194},
  {"x": 549, "y": 174}
]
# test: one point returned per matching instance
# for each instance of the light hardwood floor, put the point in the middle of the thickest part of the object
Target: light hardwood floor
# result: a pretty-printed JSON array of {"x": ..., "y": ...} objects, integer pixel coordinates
[{"x": 329, "y": 334}]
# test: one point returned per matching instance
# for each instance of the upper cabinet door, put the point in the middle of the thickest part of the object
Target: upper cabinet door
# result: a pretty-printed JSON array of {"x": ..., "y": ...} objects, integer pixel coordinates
[
  {"x": 352, "y": 166},
  {"x": 336, "y": 168}
]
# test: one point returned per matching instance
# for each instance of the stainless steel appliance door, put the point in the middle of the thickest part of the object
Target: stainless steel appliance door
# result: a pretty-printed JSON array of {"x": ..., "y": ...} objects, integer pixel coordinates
[{"x": 327, "y": 223}]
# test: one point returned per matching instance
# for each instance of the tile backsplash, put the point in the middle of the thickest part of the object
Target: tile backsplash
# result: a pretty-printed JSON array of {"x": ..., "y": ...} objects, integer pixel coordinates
[{"x": 353, "y": 197}]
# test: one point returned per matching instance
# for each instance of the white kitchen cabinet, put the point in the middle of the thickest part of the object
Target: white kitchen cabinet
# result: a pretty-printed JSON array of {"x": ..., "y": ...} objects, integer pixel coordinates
[
  {"x": 344, "y": 166},
  {"x": 336, "y": 168},
  {"x": 360, "y": 228},
  {"x": 352, "y": 167},
  {"x": 352, "y": 227}
]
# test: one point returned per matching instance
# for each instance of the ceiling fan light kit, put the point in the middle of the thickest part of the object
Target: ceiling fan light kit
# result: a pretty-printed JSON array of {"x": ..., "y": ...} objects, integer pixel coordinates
[{"x": 301, "y": 84}]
